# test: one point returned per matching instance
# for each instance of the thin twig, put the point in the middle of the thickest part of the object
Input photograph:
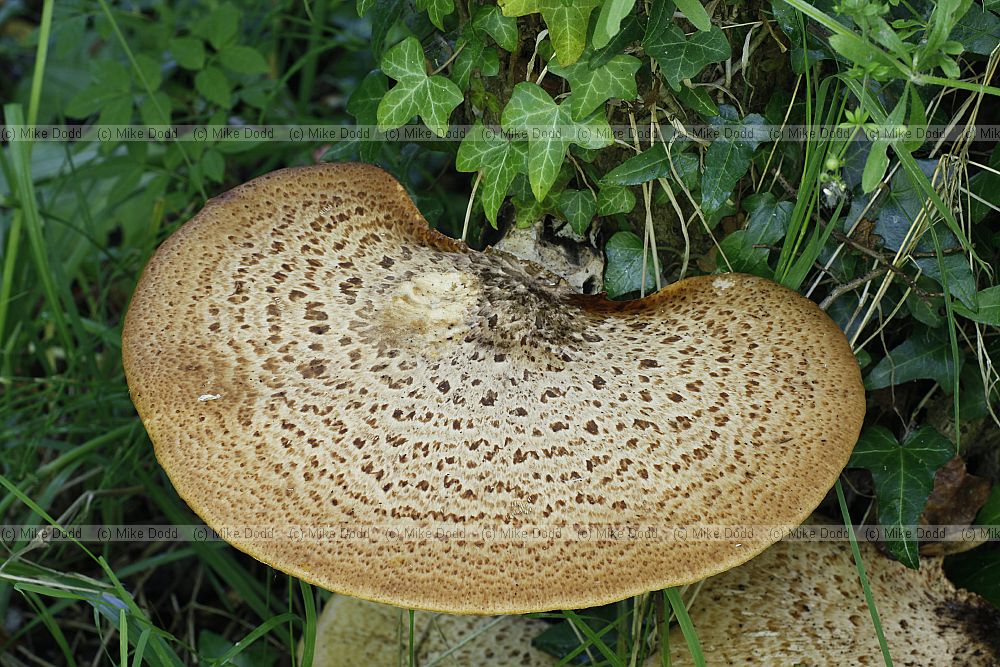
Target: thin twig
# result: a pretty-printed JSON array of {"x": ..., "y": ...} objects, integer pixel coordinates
[
  {"x": 450, "y": 59},
  {"x": 879, "y": 257},
  {"x": 840, "y": 290}
]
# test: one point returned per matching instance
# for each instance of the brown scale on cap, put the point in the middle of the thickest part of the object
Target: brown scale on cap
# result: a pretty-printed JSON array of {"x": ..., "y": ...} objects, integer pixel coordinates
[
  {"x": 801, "y": 603},
  {"x": 306, "y": 351}
]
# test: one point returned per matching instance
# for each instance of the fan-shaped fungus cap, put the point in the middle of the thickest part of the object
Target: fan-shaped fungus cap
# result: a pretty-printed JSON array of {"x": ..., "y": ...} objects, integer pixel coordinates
[
  {"x": 357, "y": 633},
  {"x": 305, "y": 351},
  {"x": 801, "y": 603}
]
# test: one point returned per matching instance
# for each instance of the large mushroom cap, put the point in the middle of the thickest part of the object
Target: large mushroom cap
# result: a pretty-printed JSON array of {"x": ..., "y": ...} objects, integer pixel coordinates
[
  {"x": 357, "y": 633},
  {"x": 306, "y": 352},
  {"x": 800, "y": 604}
]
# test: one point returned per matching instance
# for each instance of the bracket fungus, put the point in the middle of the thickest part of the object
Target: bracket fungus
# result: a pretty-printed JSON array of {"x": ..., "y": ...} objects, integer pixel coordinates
[
  {"x": 357, "y": 633},
  {"x": 801, "y": 603},
  {"x": 459, "y": 430}
]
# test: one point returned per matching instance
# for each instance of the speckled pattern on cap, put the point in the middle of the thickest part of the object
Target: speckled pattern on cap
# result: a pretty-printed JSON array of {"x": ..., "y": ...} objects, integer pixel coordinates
[
  {"x": 306, "y": 351},
  {"x": 800, "y": 604}
]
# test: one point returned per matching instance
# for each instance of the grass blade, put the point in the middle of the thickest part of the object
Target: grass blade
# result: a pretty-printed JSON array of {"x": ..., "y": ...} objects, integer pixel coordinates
[
  {"x": 687, "y": 627},
  {"x": 863, "y": 576}
]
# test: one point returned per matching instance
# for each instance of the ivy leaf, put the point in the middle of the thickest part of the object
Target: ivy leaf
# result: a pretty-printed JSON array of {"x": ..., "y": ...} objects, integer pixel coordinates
[
  {"x": 474, "y": 55},
  {"x": 961, "y": 281},
  {"x": 387, "y": 13},
  {"x": 437, "y": 10},
  {"x": 614, "y": 199},
  {"x": 903, "y": 205},
  {"x": 695, "y": 12},
  {"x": 688, "y": 168},
  {"x": 593, "y": 87},
  {"x": 728, "y": 159},
  {"x": 433, "y": 98},
  {"x": 550, "y": 130},
  {"x": 631, "y": 31},
  {"x": 503, "y": 29},
  {"x": 609, "y": 21},
  {"x": 566, "y": 20},
  {"x": 925, "y": 355},
  {"x": 768, "y": 219},
  {"x": 902, "y": 208},
  {"x": 681, "y": 58},
  {"x": 989, "y": 513},
  {"x": 648, "y": 165},
  {"x": 766, "y": 224},
  {"x": 363, "y": 105},
  {"x": 364, "y": 101},
  {"x": 698, "y": 100},
  {"x": 988, "y": 309},
  {"x": 498, "y": 159},
  {"x": 564, "y": 638},
  {"x": 527, "y": 211},
  {"x": 579, "y": 207},
  {"x": 593, "y": 132},
  {"x": 986, "y": 186},
  {"x": 977, "y": 571},
  {"x": 624, "y": 265},
  {"x": 904, "y": 477},
  {"x": 978, "y": 30}
]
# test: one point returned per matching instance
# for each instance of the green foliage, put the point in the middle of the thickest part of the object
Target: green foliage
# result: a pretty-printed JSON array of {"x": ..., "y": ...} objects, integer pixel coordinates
[
  {"x": 215, "y": 646},
  {"x": 474, "y": 56},
  {"x": 681, "y": 57},
  {"x": 432, "y": 97},
  {"x": 593, "y": 85},
  {"x": 728, "y": 159},
  {"x": 599, "y": 77},
  {"x": 550, "y": 129},
  {"x": 609, "y": 20},
  {"x": 979, "y": 570},
  {"x": 987, "y": 310},
  {"x": 498, "y": 159},
  {"x": 563, "y": 639},
  {"x": 437, "y": 10},
  {"x": 767, "y": 223},
  {"x": 695, "y": 12},
  {"x": 904, "y": 476},
  {"x": 363, "y": 105},
  {"x": 579, "y": 207},
  {"x": 503, "y": 29},
  {"x": 924, "y": 355},
  {"x": 189, "y": 52},
  {"x": 613, "y": 199},
  {"x": 625, "y": 272},
  {"x": 878, "y": 157},
  {"x": 649, "y": 165},
  {"x": 566, "y": 22}
]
